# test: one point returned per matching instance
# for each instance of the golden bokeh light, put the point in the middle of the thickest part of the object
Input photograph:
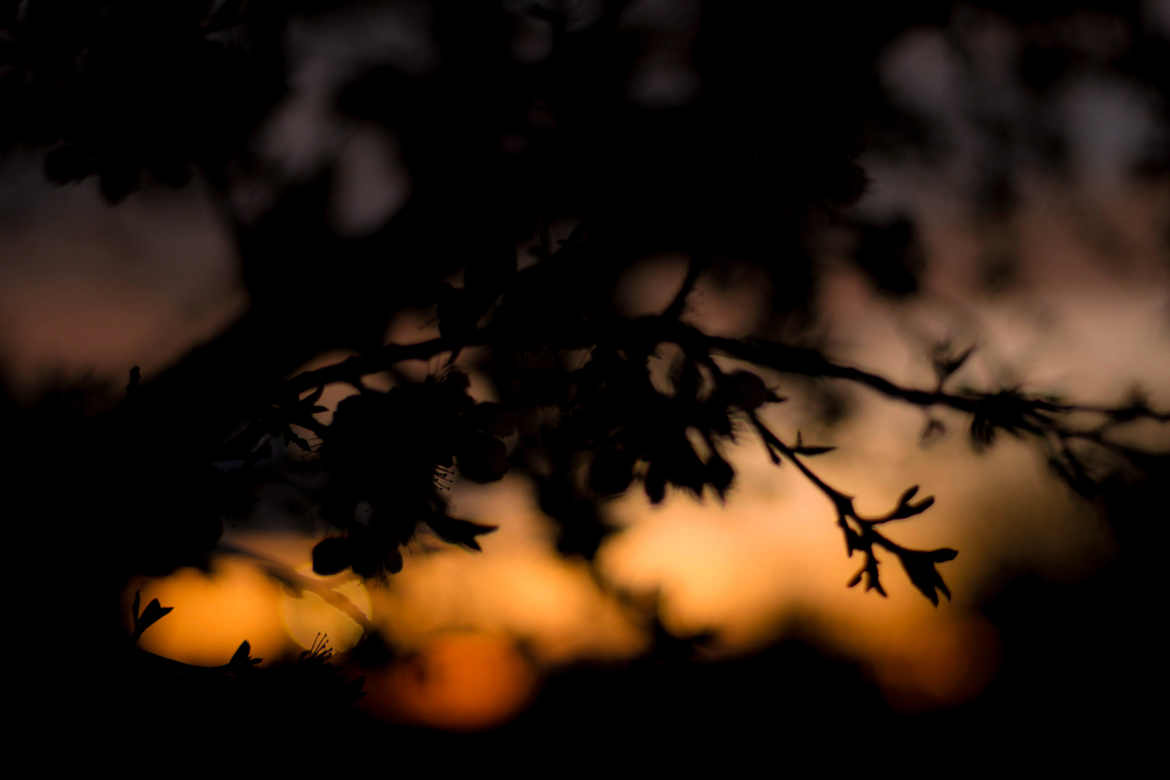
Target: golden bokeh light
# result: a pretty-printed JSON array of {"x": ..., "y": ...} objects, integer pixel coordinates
[
  {"x": 746, "y": 569},
  {"x": 307, "y": 615},
  {"x": 213, "y": 613},
  {"x": 550, "y": 604}
]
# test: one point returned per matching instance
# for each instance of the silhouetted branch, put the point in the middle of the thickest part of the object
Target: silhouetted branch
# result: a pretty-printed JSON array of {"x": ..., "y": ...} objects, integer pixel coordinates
[
  {"x": 353, "y": 369},
  {"x": 1041, "y": 417},
  {"x": 1006, "y": 409},
  {"x": 298, "y": 582}
]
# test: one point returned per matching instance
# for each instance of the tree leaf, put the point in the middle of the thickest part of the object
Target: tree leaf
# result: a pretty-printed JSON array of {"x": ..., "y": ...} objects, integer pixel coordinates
[
  {"x": 457, "y": 531},
  {"x": 153, "y": 613},
  {"x": 332, "y": 555}
]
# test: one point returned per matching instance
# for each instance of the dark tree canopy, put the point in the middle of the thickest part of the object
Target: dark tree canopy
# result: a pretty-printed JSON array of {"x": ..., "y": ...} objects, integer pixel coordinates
[{"x": 548, "y": 148}]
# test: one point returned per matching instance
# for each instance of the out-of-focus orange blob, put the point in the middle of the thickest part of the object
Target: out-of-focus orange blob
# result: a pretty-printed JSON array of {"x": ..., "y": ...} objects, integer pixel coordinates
[
  {"x": 457, "y": 681},
  {"x": 936, "y": 663},
  {"x": 213, "y": 614}
]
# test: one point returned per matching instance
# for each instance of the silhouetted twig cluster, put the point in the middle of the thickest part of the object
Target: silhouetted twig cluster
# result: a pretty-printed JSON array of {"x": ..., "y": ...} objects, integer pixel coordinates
[{"x": 609, "y": 415}]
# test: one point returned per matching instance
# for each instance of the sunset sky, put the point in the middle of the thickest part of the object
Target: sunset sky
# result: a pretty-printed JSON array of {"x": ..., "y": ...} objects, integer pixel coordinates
[{"x": 86, "y": 288}]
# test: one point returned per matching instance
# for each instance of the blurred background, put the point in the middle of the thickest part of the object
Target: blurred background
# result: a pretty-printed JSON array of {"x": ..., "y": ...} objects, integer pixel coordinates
[{"x": 1016, "y": 200}]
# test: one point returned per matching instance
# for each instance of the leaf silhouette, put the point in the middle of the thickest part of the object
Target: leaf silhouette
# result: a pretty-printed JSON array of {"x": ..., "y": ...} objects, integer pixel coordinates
[
  {"x": 152, "y": 614},
  {"x": 332, "y": 555},
  {"x": 807, "y": 449},
  {"x": 242, "y": 658},
  {"x": 946, "y": 364},
  {"x": 920, "y": 566},
  {"x": 457, "y": 531}
]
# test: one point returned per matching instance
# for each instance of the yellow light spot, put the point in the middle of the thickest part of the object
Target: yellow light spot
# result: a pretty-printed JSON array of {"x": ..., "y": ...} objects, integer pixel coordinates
[{"x": 308, "y": 615}]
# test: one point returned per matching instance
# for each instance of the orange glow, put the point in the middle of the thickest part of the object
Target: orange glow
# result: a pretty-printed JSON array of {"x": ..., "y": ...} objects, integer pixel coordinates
[
  {"x": 741, "y": 568},
  {"x": 941, "y": 662},
  {"x": 457, "y": 681},
  {"x": 213, "y": 614},
  {"x": 550, "y": 604}
]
